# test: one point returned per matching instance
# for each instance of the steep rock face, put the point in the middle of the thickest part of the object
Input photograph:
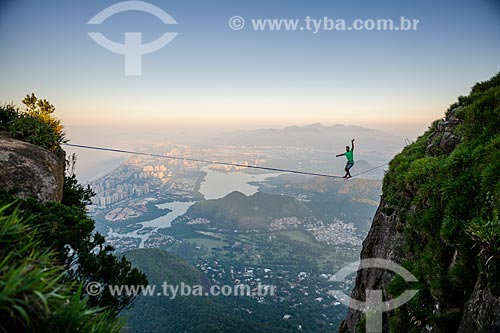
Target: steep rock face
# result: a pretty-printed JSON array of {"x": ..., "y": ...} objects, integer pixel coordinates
[
  {"x": 481, "y": 312},
  {"x": 478, "y": 312},
  {"x": 442, "y": 193},
  {"x": 31, "y": 171},
  {"x": 384, "y": 241}
]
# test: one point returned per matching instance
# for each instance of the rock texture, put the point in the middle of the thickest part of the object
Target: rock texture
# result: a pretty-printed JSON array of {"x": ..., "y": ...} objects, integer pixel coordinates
[
  {"x": 482, "y": 311},
  {"x": 443, "y": 140},
  {"x": 383, "y": 241},
  {"x": 31, "y": 171}
]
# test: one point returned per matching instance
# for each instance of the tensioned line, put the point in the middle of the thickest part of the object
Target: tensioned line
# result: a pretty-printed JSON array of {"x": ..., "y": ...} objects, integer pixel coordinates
[{"x": 215, "y": 162}]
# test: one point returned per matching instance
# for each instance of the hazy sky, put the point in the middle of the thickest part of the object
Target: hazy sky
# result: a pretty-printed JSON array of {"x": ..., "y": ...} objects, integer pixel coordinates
[{"x": 210, "y": 75}]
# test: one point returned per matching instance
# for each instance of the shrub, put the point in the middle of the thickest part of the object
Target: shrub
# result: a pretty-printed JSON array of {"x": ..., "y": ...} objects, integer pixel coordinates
[
  {"x": 33, "y": 293},
  {"x": 35, "y": 124},
  {"x": 452, "y": 219}
]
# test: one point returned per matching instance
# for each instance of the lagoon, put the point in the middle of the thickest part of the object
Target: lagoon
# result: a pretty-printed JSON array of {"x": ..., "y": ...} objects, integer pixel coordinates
[
  {"x": 215, "y": 185},
  {"x": 218, "y": 184}
]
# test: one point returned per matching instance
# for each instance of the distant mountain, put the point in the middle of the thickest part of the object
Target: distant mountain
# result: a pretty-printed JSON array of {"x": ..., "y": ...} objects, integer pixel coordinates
[
  {"x": 353, "y": 201},
  {"x": 356, "y": 188},
  {"x": 363, "y": 166},
  {"x": 318, "y": 136},
  {"x": 238, "y": 211}
]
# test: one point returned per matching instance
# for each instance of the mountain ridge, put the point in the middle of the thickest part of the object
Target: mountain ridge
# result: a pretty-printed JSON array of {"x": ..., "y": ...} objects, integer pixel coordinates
[{"x": 238, "y": 211}]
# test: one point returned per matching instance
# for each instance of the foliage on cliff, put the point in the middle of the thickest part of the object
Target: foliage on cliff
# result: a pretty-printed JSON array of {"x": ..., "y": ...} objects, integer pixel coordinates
[
  {"x": 34, "y": 294},
  {"x": 49, "y": 252},
  {"x": 445, "y": 188}
]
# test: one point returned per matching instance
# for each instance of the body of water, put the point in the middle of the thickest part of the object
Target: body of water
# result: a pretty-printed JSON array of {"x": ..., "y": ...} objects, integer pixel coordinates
[
  {"x": 177, "y": 209},
  {"x": 214, "y": 186},
  {"x": 219, "y": 184}
]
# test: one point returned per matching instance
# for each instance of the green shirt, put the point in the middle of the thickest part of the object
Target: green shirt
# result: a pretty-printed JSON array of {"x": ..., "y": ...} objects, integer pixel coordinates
[{"x": 349, "y": 155}]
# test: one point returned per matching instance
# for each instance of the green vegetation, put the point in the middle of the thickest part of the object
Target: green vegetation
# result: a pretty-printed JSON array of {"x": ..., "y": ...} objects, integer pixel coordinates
[
  {"x": 355, "y": 188},
  {"x": 49, "y": 252},
  {"x": 300, "y": 236},
  {"x": 354, "y": 201},
  {"x": 448, "y": 202},
  {"x": 35, "y": 124},
  {"x": 34, "y": 294},
  {"x": 207, "y": 242},
  {"x": 237, "y": 211},
  {"x": 161, "y": 266},
  {"x": 286, "y": 253},
  {"x": 183, "y": 313}
]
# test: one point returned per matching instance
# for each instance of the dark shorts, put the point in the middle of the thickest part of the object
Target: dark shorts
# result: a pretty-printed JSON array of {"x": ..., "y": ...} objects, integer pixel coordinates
[{"x": 349, "y": 165}]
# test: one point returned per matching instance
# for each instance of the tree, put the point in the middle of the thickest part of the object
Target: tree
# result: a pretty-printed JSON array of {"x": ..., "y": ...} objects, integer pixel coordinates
[
  {"x": 65, "y": 228},
  {"x": 35, "y": 124},
  {"x": 34, "y": 296}
]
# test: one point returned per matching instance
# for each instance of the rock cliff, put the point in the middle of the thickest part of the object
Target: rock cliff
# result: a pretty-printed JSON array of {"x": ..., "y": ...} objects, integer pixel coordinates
[
  {"x": 439, "y": 218},
  {"x": 31, "y": 171}
]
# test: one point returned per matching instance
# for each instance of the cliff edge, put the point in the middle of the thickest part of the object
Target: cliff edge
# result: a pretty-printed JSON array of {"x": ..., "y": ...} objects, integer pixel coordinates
[{"x": 439, "y": 217}]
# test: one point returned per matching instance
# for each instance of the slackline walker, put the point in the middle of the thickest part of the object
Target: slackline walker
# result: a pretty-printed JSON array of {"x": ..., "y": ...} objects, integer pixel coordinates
[{"x": 219, "y": 162}]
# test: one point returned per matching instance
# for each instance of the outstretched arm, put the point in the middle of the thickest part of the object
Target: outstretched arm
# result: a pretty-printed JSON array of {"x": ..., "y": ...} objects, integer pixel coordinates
[
  {"x": 339, "y": 155},
  {"x": 352, "y": 144}
]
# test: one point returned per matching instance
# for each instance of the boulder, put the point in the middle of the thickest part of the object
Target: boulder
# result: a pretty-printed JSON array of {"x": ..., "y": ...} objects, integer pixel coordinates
[{"x": 31, "y": 171}]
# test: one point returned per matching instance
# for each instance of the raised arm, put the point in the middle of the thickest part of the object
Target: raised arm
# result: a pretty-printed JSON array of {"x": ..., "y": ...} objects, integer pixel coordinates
[{"x": 352, "y": 144}]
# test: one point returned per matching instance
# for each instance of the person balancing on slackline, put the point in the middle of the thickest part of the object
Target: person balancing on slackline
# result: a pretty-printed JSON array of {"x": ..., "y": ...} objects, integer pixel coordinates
[{"x": 350, "y": 159}]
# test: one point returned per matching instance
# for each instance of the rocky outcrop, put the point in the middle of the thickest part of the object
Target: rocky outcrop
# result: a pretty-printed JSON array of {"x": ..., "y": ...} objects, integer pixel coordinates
[
  {"x": 384, "y": 241},
  {"x": 31, "y": 171},
  {"x": 481, "y": 313},
  {"x": 443, "y": 140}
]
